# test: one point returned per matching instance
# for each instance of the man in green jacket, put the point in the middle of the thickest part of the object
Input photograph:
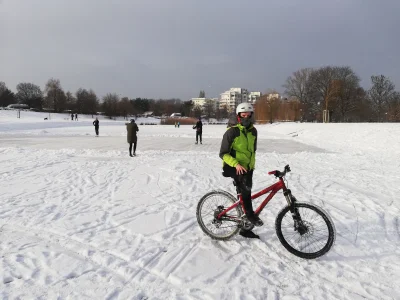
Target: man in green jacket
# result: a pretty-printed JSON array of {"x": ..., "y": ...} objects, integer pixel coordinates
[
  {"x": 238, "y": 152},
  {"x": 131, "y": 129}
]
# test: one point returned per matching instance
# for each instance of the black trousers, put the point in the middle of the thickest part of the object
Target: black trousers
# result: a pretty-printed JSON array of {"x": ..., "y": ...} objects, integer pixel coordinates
[
  {"x": 134, "y": 146},
  {"x": 97, "y": 130},
  {"x": 244, "y": 183},
  {"x": 198, "y": 134}
]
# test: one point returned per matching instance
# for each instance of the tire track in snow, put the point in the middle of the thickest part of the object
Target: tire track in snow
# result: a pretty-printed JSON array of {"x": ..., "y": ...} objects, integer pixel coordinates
[
  {"x": 318, "y": 274},
  {"x": 117, "y": 264}
]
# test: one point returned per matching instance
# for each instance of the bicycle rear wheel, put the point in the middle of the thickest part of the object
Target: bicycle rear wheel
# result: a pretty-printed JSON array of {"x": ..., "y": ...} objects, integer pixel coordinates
[
  {"x": 314, "y": 235},
  {"x": 209, "y": 206}
]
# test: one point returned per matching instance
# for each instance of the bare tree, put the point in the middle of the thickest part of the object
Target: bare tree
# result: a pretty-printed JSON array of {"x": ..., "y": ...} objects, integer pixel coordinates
[
  {"x": 267, "y": 107},
  {"x": 363, "y": 111},
  {"x": 332, "y": 88},
  {"x": 91, "y": 104},
  {"x": 209, "y": 108},
  {"x": 125, "y": 108},
  {"x": 110, "y": 104},
  {"x": 273, "y": 108},
  {"x": 297, "y": 86},
  {"x": 6, "y": 96},
  {"x": 295, "y": 109},
  {"x": 156, "y": 107},
  {"x": 70, "y": 101},
  {"x": 81, "y": 96},
  {"x": 381, "y": 93},
  {"x": 55, "y": 96},
  {"x": 86, "y": 101},
  {"x": 3, "y": 87},
  {"x": 324, "y": 88},
  {"x": 394, "y": 107},
  {"x": 30, "y": 94},
  {"x": 141, "y": 105},
  {"x": 348, "y": 89}
]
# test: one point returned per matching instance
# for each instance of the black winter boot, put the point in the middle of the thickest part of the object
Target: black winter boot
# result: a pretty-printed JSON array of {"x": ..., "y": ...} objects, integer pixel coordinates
[
  {"x": 255, "y": 220},
  {"x": 251, "y": 216}
]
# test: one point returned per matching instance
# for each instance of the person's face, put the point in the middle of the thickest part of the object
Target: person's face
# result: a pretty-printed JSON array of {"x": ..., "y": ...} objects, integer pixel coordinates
[{"x": 245, "y": 114}]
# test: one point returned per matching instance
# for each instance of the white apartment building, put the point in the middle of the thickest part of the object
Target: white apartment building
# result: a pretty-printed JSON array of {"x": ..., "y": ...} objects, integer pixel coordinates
[
  {"x": 253, "y": 97},
  {"x": 230, "y": 99},
  {"x": 201, "y": 102},
  {"x": 273, "y": 96},
  {"x": 198, "y": 102}
]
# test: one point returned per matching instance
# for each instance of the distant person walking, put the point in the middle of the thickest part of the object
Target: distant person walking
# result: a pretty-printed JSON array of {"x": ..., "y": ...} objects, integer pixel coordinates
[
  {"x": 76, "y": 117},
  {"x": 72, "y": 117},
  {"x": 131, "y": 130},
  {"x": 96, "y": 126},
  {"x": 179, "y": 124},
  {"x": 199, "y": 131}
]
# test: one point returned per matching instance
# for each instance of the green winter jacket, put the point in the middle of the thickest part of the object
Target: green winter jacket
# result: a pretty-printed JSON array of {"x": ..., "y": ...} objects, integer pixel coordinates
[
  {"x": 239, "y": 145},
  {"x": 131, "y": 129}
]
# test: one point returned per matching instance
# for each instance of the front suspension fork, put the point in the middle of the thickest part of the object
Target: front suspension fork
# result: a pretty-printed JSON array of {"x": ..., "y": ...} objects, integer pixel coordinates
[{"x": 291, "y": 200}]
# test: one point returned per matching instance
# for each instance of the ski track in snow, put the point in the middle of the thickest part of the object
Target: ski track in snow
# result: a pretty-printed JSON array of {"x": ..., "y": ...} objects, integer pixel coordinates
[{"x": 97, "y": 224}]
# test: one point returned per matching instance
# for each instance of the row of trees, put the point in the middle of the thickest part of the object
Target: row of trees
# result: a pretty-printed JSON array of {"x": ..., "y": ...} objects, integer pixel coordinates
[
  {"x": 85, "y": 101},
  {"x": 338, "y": 91},
  {"x": 269, "y": 109},
  {"x": 55, "y": 99},
  {"x": 309, "y": 92},
  {"x": 52, "y": 98}
]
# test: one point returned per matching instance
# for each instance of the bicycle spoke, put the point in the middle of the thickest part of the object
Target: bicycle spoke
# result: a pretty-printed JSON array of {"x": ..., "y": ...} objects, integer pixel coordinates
[
  {"x": 212, "y": 204},
  {"x": 313, "y": 239}
]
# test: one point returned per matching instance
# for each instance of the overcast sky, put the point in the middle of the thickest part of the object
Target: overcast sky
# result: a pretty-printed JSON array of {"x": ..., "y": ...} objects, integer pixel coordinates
[{"x": 175, "y": 48}]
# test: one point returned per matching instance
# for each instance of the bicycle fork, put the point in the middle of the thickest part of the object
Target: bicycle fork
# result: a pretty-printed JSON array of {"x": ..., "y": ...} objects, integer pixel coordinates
[{"x": 298, "y": 222}]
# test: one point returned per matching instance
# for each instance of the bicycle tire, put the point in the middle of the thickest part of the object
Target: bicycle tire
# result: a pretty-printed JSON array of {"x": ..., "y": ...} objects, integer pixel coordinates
[
  {"x": 229, "y": 199},
  {"x": 329, "y": 224}
]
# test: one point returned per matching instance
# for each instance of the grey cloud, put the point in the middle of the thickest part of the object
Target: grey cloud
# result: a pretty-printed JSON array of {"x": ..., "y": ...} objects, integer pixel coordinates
[{"x": 174, "y": 48}]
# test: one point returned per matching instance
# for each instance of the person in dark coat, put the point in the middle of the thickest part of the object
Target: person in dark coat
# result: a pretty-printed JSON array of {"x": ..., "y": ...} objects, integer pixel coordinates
[
  {"x": 199, "y": 131},
  {"x": 96, "y": 126},
  {"x": 131, "y": 130}
]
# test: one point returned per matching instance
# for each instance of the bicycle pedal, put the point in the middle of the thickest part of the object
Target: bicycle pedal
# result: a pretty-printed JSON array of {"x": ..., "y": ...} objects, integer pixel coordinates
[{"x": 258, "y": 223}]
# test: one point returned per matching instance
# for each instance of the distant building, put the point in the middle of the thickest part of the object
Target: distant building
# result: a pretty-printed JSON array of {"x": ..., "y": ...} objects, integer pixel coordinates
[
  {"x": 148, "y": 114},
  {"x": 234, "y": 96},
  {"x": 253, "y": 97},
  {"x": 18, "y": 106},
  {"x": 273, "y": 96},
  {"x": 201, "y": 103}
]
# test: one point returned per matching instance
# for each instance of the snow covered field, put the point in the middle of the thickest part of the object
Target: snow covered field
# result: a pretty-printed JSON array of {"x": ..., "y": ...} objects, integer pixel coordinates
[{"x": 80, "y": 219}]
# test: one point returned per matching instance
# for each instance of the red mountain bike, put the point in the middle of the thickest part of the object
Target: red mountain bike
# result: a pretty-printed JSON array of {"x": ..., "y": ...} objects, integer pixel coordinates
[{"x": 304, "y": 229}]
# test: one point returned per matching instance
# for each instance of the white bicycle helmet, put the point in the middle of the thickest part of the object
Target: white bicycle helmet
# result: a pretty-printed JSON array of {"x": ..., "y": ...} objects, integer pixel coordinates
[{"x": 244, "y": 107}]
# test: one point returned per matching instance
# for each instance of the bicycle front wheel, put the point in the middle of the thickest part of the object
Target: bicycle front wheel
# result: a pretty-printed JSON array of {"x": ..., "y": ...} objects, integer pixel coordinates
[
  {"x": 210, "y": 205},
  {"x": 314, "y": 235}
]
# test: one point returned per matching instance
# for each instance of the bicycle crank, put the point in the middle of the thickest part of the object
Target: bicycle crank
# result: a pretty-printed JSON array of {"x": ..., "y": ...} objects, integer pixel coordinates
[{"x": 246, "y": 224}]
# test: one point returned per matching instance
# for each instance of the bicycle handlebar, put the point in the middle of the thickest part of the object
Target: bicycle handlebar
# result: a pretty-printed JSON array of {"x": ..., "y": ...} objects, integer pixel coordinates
[{"x": 279, "y": 173}]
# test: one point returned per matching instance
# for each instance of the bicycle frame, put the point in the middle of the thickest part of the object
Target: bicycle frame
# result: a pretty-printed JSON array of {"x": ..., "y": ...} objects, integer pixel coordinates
[{"x": 273, "y": 189}]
